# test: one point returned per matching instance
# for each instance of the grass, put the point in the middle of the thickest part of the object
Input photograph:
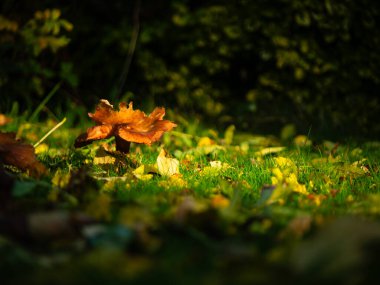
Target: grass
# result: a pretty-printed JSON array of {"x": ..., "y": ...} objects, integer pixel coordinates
[{"x": 234, "y": 215}]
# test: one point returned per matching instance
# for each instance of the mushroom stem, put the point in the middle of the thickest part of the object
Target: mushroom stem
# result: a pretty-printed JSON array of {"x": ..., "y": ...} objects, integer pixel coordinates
[{"x": 122, "y": 145}]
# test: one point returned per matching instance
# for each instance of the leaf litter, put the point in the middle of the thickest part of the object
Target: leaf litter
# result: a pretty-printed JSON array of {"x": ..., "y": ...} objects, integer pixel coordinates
[{"x": 199, "y": 205}]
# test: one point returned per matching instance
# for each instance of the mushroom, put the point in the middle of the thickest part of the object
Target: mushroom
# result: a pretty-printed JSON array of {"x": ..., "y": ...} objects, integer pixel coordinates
[{"x": 126, "y": 125}]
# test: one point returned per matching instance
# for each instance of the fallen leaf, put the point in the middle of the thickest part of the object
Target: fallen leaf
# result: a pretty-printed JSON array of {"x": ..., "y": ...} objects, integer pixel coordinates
[
  {"x": 102, "y": 157},
  {"x": 278, "y": 194},
  {"x": 205, "y": 141},
  {"x": 167, "y": 166},
  {"x": 206, "y": 150},
  {"x": 141, "y": 173},
  {"x": 285, "y": 178},
  {"x": 42, "y": 148},
  {"x": 269, "y": 150},
  {"x": 19, "y": 154},
  {"x": 219, "y": 165},
  {"x": 60, "y": 179},
  {"x": 229, "y": 135},
  {"x": 104, "y": 160},
  {"x": 4, "y": 120},
  {"x": 284, "y": 162},
  {"x": 216, "y": 167},
  {"x": 302, "y": 140},
  {"x": 175, "y": 180}
]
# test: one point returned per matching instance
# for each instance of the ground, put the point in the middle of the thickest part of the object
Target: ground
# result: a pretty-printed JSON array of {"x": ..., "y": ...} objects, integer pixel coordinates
[{"x": 199, "y": 206}]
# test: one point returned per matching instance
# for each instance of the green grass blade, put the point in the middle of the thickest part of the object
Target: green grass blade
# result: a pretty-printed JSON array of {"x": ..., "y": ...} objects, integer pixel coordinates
[{"x": 44, "y": 102}]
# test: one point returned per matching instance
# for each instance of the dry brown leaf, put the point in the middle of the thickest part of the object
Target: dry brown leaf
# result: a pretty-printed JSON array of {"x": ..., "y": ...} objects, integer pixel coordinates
[
  {"x": 19, "y": 154},
  {"x": 126, "y": 124}
]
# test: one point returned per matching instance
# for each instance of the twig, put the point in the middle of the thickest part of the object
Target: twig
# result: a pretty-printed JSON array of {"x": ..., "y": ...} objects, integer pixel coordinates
[{"x": 49, "y": 132}]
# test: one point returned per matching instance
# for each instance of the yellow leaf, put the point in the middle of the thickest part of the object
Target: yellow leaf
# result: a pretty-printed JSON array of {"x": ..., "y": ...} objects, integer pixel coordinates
[
  {"x": 278, "y": 174},
  {"x": 302, "y": 140},
  {"x": 41, "y": 148},
  {"x": 229, "y": 135},
  {"x": 60, "y": 179},
  {"x": 269, "y": 150},
  {"x": 299, "y": 188},
  {"x": 204, "y": 141},
  {"x": 104, "y": 160},
  {"x": 244, "y": 147},
  {"x": 220, "y": 165},
  {"x": 274, "y": 180},
  {"x": 279, "y": 194},
  {"x": 291, "y": 179},
  {"x": 284, "y": 162},
  {"x": 286, "y": 165},
  {"x": 167, "y": 166},
  {"x": 285, "y": 178},
  {"x": 102, "y": 157},
  {"x": 215, "y": 168},
  {"x": 140, "y": 173},
  {"x": 207, "y": 149},
  {"x": 175, "y": 180}
]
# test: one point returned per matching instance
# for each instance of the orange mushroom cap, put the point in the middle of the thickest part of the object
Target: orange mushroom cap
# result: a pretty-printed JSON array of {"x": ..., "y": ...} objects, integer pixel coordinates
[{"x": 126, "y": 124}]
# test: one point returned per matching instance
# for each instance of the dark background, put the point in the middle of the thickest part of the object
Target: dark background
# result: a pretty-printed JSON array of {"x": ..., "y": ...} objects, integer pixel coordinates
[{"x": 257, "y": 64}]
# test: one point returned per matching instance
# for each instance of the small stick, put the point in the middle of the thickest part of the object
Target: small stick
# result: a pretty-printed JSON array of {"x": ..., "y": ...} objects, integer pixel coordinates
[{"x": 49, "y": 132}]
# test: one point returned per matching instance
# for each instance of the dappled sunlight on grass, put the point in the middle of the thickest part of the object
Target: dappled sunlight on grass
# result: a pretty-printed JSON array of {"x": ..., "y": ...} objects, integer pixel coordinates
[{"x": 219, "y": 199}]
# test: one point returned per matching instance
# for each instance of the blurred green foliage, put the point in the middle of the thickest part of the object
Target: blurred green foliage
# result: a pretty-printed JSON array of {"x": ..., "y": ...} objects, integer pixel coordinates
[
  {"x": 28, "y": 64},
  {"x": 257, "y": 64}
]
